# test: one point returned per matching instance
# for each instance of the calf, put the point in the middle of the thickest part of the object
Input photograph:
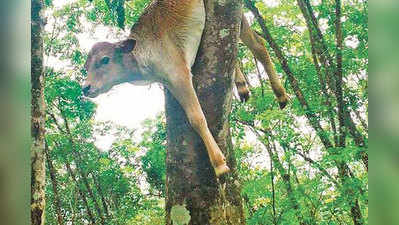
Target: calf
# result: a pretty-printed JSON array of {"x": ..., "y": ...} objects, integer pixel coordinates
[{"x": 162, "y": 47}]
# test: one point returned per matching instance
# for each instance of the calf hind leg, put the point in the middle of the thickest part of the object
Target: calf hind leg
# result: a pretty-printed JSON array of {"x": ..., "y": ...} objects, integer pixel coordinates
[
  {"x": 255, "y": 43},
  {"x": 241, "y": 85}
]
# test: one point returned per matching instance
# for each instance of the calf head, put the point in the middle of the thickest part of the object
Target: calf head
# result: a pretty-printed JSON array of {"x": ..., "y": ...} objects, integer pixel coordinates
[{"x": 109, "y": 64}]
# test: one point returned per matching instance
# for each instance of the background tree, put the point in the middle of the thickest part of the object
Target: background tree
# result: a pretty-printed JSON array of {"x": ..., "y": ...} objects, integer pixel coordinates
[{"x": 38, "y": 168}]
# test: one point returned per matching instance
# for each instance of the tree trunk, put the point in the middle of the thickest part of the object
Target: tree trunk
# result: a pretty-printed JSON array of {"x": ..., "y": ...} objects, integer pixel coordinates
[
  {"x": 81, "y": 193},
  {"x": 338, "y": 77},
  {"x": 38, "y": 169},
  {"x": 79, "y": 161},
  {"x": 194, "y": 195},
  {"x": 271, "y": 149},
  {"x": 73, "y": 214},
  {"x": 100, "y": 192},
  {"x": 334, "y": 82},
  {"x": 57, "y": 201},
  {"x": 273, "y": 192}
]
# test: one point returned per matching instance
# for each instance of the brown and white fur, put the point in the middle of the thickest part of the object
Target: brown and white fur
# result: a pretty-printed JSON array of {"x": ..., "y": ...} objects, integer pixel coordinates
[{"x": 161, "y": 48}]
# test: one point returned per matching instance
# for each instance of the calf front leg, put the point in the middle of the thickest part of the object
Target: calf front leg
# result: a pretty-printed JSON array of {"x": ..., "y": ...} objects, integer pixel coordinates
[{"x": 180, "y": 85}]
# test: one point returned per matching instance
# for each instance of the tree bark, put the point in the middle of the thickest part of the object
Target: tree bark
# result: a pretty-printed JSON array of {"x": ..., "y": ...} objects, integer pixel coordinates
[
  {"x": 338, "y": 77},
  {"x": 54, "y": 183},
  {"x": 193, "y": 192},
  {"x": 38, "y": 169}
]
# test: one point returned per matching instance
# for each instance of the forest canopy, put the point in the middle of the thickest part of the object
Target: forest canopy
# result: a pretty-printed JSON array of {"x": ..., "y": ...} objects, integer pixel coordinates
[{"x": 305, "y": 164}]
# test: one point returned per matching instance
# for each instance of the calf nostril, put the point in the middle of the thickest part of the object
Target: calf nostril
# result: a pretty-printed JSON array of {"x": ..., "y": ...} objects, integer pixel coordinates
[{"x": 86, "y": 89}]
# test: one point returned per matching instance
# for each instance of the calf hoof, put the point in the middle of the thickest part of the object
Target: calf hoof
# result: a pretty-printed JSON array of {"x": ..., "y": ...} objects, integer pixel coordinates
[
  {"x": 282, "y": 104},
  {"x": 283, "y": 101},
  {"x": 222, "y": 169},
  {"x": 244, "y": 97}
]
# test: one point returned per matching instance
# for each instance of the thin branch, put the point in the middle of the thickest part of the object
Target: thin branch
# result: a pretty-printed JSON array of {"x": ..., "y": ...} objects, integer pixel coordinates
[{"x": 260, "y": 77}]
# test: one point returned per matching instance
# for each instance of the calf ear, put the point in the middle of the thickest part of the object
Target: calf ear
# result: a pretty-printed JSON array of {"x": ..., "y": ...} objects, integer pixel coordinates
[{"x": 126, "y": 46}]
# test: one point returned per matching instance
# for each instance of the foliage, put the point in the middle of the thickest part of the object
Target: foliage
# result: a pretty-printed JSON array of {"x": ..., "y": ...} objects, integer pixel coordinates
[
  {"x": 287, "y": 175},
  {"x": 154, "y": 140}
]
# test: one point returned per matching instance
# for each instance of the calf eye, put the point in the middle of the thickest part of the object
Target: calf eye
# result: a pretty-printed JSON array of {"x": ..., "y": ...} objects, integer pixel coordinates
[{"x": 104, "y": 60}]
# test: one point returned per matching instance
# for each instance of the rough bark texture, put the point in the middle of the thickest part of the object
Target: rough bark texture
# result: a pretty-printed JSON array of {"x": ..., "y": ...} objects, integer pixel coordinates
[
  {"x": 194, "y": 195},
  {"x": 38, "y": 172}
]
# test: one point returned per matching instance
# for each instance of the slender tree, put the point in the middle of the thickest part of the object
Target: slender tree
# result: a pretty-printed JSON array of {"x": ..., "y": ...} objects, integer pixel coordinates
[
  {"x": 271, "y": 149},
  {"x": 83, "y": 173},
  {"x": 54, "y": 183},
  {"x": 101, "y": 193},
  {"x": 343, "y": 169},
  {"x": 38, "y": 169},
  {"x": 333, "y": 74},
  {"x": 81, "y": 193}
]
